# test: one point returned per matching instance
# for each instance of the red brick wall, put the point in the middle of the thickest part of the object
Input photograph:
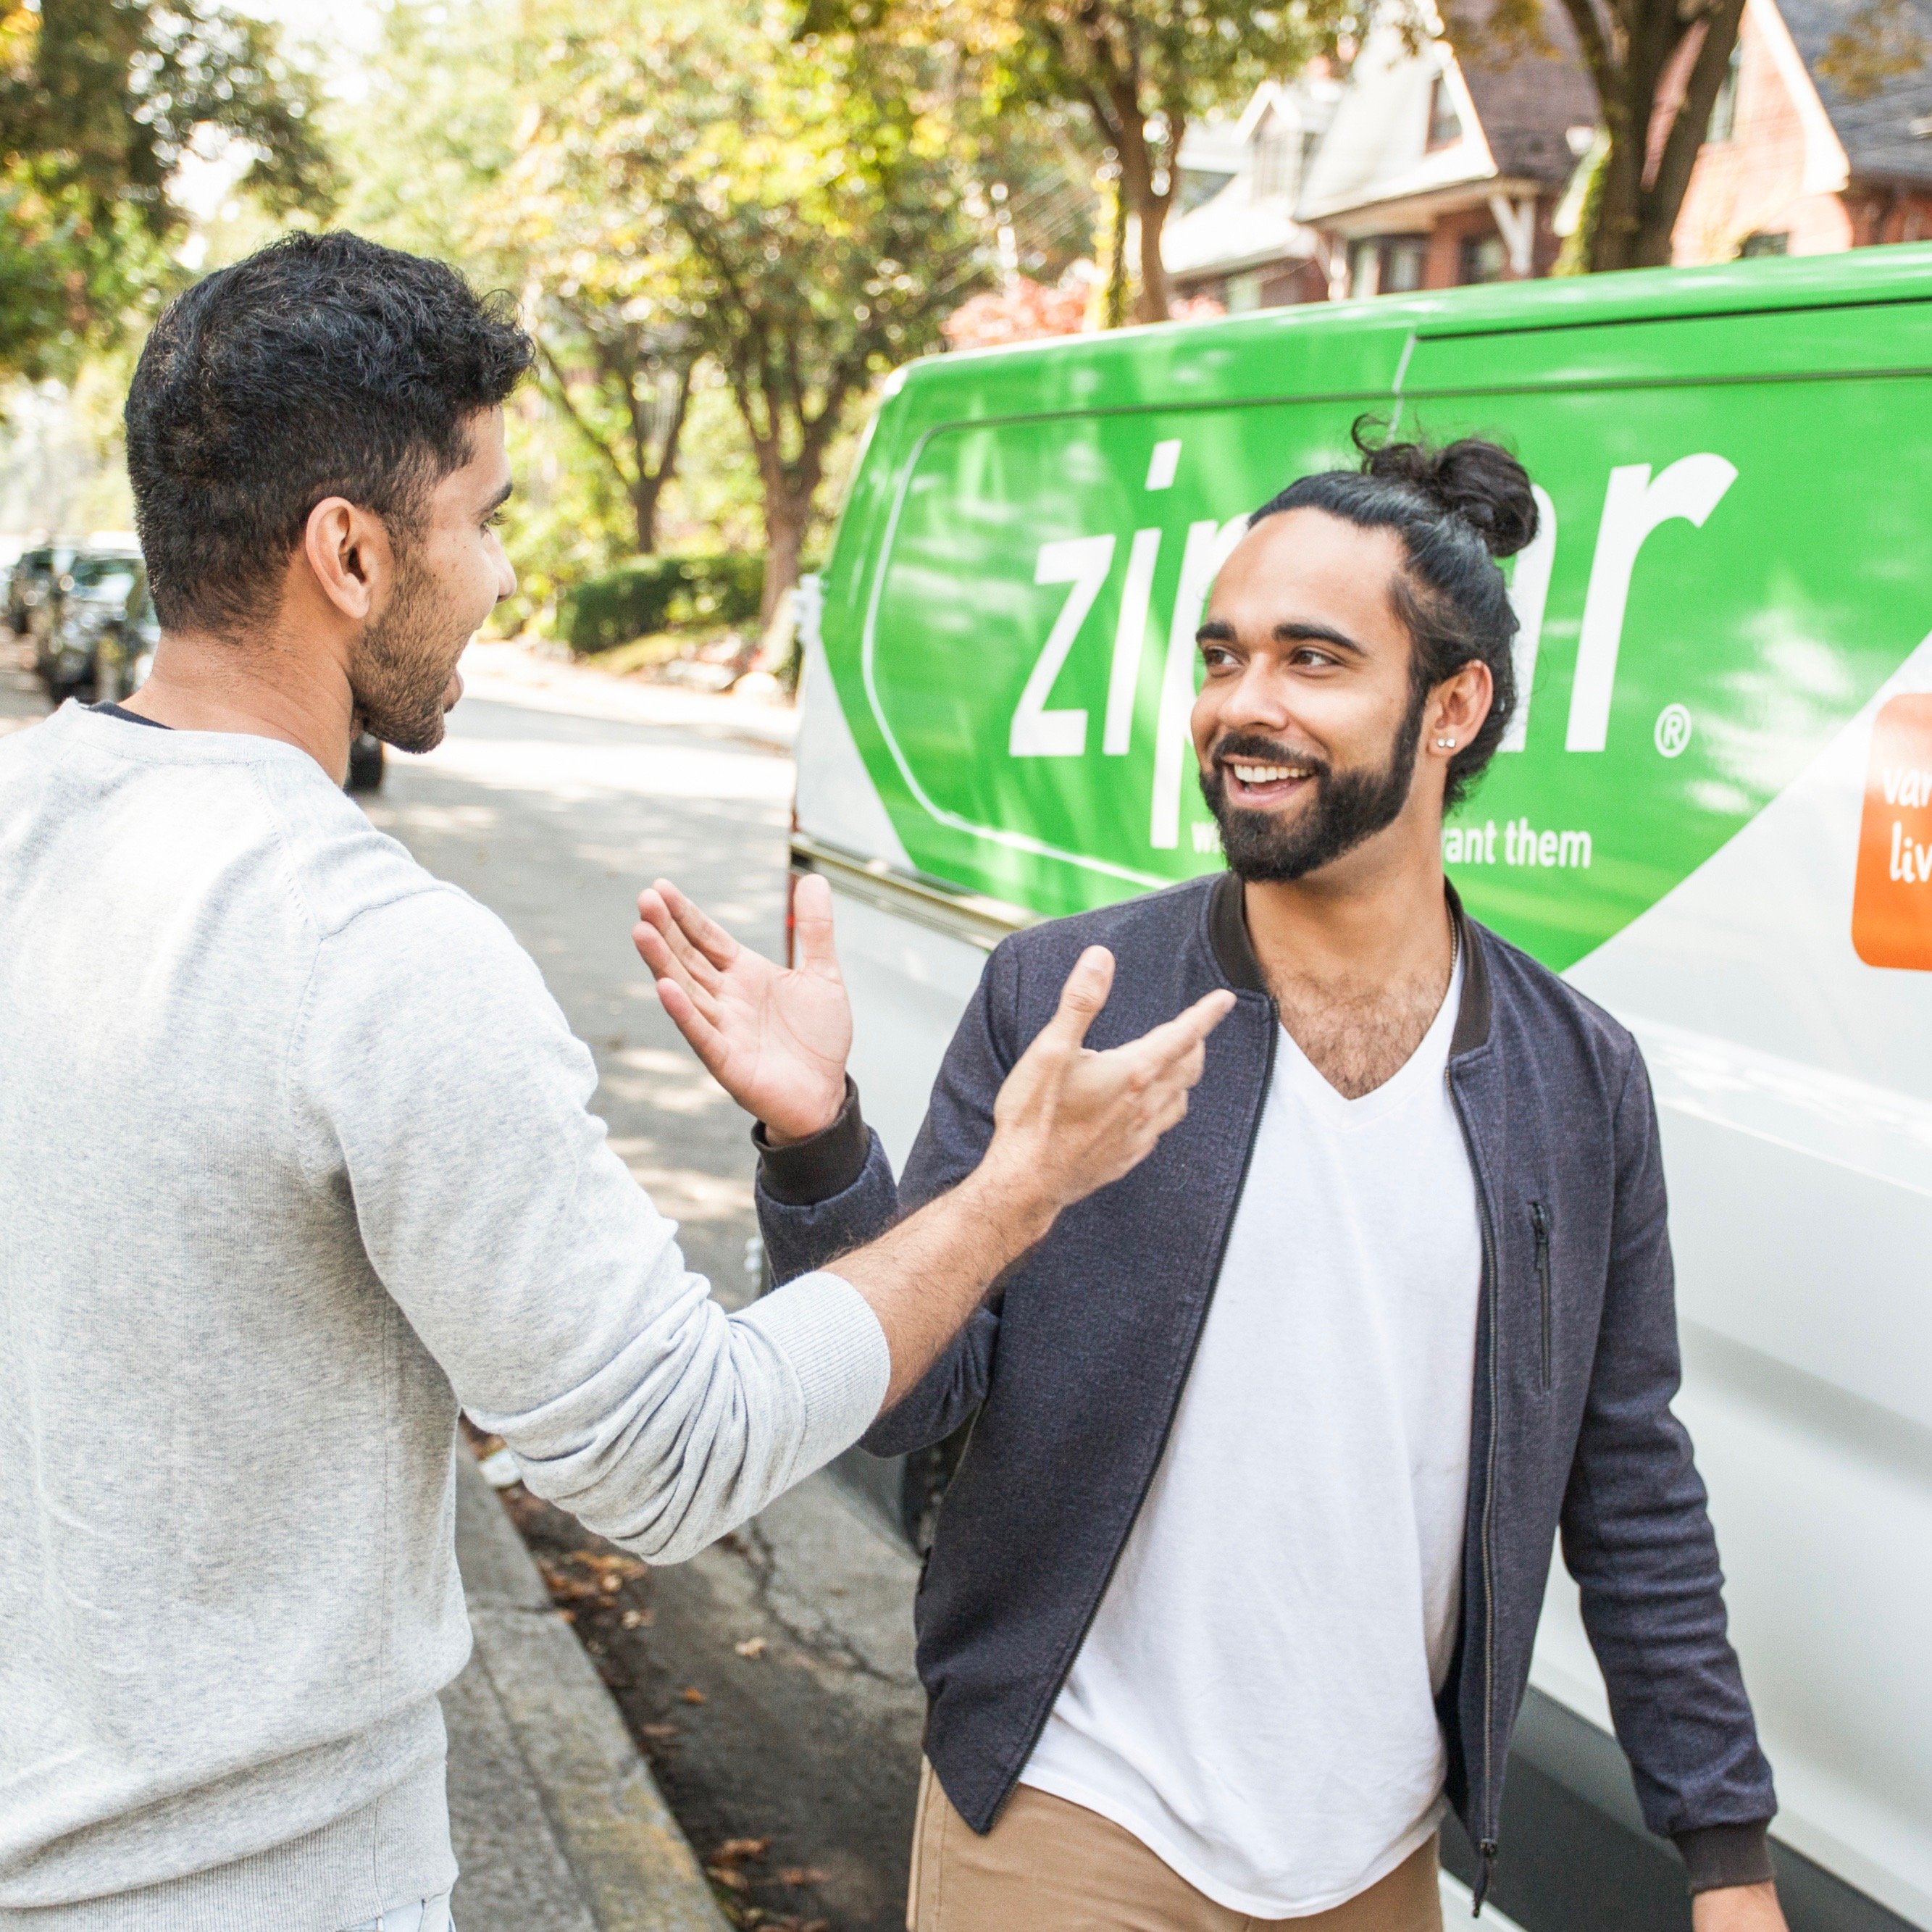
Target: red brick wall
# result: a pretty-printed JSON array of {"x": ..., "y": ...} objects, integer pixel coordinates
[{"x": 1754, "y": 183}]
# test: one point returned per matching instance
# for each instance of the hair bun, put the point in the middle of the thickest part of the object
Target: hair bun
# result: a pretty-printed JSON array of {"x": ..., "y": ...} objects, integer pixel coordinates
[{"x": 1481, "y": 482}]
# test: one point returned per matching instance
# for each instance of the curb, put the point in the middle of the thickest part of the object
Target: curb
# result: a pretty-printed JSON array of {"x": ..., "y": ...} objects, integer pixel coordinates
[{"x": 634, "y": 1867}]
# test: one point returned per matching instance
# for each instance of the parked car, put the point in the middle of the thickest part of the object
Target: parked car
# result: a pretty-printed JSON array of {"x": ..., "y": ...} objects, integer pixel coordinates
[
  {"x": 66, "y": 622},
  {"x": 1712, "y": 814},
  {"x": 124, "y": 643},
  {"x": 31, "y": 580}
]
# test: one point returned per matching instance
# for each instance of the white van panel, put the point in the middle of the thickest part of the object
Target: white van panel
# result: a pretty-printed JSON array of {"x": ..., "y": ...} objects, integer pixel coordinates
[
  {"x": 1794, "y": 1091},
  {"x": 909, "y": 985}
]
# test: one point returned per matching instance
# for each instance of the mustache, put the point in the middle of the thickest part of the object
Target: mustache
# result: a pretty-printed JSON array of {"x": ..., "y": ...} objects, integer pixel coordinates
[{"x": 1249, "y": 747}]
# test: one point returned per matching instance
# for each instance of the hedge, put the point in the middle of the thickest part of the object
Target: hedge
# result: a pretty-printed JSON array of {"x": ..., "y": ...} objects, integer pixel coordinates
[{"x": 649, "y": 594}]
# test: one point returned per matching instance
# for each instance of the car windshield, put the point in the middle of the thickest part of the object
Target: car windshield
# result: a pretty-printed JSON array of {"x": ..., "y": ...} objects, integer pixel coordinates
[{"x": 103, "y": 576}]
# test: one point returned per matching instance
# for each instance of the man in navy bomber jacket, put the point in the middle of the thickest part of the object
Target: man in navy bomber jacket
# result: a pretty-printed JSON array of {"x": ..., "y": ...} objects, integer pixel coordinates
[{"x": 1234, "y": 1591}]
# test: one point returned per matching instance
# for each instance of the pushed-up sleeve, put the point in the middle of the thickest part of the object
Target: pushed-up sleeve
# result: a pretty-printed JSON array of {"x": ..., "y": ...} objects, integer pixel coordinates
[{"x": 434, "y": 1077}]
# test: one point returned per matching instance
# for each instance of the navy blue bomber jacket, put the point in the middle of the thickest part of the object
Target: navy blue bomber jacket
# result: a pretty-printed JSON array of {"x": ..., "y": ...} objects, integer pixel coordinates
[{"x": 1072, "y": 1373}]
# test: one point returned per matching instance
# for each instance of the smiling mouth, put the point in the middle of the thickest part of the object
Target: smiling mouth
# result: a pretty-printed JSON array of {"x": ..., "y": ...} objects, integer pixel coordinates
[{"x": 1256, "y": 785}]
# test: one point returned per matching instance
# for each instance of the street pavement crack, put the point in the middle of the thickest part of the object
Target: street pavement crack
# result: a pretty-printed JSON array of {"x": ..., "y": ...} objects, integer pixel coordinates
[{"x": 754, "y": 1549}]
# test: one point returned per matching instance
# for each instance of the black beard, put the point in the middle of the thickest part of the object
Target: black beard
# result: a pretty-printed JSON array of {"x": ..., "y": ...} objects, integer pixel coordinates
[
  {"x": 401, "y": 668},
  {"x": 1346, "y": 808}
]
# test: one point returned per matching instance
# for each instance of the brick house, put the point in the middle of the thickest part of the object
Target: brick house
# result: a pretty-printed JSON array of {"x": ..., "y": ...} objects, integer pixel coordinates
[
  {"x": 1794, "y": 165},
  {"x": 1236, "y": 240},
  {"x": 1437, "y": 171},
  {"x": 1423, "y": 171}
]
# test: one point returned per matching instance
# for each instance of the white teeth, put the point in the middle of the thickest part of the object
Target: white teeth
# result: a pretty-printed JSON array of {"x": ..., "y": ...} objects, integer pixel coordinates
[{"x": 1261, "y": 775}]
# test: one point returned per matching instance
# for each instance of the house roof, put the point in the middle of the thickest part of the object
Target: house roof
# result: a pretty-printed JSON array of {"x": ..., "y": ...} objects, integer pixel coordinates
[
  {"x": 1877, "y": 131},
  {"x": 1517, "y": 108},
  {"x": 1528, "y": 102}
]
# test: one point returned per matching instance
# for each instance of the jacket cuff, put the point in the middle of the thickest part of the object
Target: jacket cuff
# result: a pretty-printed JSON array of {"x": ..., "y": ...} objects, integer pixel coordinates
[
  {"x": 1716, "y": 1855},
  {"x": 804, "y": 1173}
]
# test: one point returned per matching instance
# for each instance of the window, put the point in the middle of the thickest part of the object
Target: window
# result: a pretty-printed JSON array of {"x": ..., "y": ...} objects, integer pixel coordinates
[
  {"x": 1724, "y": 109},
  {"x": 1445, "y": 124},
  {"x": 1764, "y": 245},
  {"x": 1403, "y": 258},
  {"x": 1244, "y": 292},
  {"x": 1388, "y": 265},
  {"x": 1274, "y": 147},
  {"x": 1482, "y": 258}
]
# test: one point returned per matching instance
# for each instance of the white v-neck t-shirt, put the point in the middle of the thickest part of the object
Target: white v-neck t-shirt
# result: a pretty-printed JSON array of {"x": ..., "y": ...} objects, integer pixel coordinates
[{"x": 1255, "y": 1699}]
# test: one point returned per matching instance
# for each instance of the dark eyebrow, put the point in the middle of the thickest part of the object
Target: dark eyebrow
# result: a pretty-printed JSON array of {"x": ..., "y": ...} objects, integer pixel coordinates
[
  {"x": 1317, "y": 634},
  {"x": 1219, "y": 631},
  {"x": 502, "y": 497}
]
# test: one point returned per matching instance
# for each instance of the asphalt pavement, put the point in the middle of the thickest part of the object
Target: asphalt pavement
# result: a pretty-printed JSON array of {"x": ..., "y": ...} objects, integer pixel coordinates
[{"x": 770, "y": 1680}]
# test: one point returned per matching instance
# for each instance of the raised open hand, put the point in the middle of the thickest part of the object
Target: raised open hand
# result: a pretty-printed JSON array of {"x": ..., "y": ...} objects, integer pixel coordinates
[{"x": 775, "y": 1038}]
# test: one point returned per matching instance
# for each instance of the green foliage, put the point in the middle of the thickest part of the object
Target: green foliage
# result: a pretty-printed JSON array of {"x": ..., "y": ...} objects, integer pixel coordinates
[
  {"x": 799, "y": 210},
  {"x": 99, "y": 102},
  {"x": 1143, "y": 69},
  {"x": 648, "y": 594}
]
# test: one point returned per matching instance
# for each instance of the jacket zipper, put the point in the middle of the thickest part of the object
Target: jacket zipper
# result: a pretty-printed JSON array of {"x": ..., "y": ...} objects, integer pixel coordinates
[
  {"x": 1485, "y": 1845},
  {"x": 1167, "y": 1428},
  {"x": 1541, "y": 1223}
]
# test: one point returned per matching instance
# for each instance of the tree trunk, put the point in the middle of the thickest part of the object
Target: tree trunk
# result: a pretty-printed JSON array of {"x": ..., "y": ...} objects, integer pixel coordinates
[
  {"x": 785, "y": 519},
  {"x": 1139, "y": 199},
  {"x": 646, "y": 485},
  {"x": 1637, "y": 216},
  {"x": 644, "y": 494},
  {"x": 1155, "y": 302}
]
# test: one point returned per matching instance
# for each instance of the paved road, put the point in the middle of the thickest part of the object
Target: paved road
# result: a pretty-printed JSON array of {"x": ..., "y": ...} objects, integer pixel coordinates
[{"x": 793, "y": 1768}]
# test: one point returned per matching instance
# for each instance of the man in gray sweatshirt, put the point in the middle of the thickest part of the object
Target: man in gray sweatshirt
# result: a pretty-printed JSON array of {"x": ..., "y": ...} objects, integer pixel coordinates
[{"x": 295, "y": 1157}]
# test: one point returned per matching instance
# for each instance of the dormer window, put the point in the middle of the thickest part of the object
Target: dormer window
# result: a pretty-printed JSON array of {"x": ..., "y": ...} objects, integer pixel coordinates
[
  {"x": 1275, "y": 154},
  {"x": 1445, "y": 124}
]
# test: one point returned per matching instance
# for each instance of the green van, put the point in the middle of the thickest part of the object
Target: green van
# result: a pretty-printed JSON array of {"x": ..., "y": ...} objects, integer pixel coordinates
[{"x": 1713, "y": 813}]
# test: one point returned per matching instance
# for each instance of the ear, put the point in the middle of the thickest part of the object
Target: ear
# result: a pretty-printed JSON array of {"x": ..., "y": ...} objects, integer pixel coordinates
[
  {"x": 347, "y": 550},
  {"x": 1457, "y": 709}
]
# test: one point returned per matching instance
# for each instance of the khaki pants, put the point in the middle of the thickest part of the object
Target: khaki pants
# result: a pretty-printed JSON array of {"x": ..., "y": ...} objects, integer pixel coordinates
[{"x": 1049, "y": 1866}]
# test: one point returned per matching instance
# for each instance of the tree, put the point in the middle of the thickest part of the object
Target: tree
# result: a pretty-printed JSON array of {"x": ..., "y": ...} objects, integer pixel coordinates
[
  {"x": 1631, "y": 49},
  {"x": 1657, "y": 66},
  {"x": 800, "y": 204},
  {"x": 624, "y": 386},
  {"x": 1143, "y": 71},
  {"x": 100, "y": 101}
]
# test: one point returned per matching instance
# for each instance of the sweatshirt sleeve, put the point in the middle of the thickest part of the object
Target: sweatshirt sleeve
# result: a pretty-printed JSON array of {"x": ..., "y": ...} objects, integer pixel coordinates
[{"x": 434, "y": 1078}]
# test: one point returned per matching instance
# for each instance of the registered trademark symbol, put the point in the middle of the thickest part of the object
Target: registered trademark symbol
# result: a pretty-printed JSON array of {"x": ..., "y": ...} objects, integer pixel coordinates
[{"x": 1673, "y": 730}]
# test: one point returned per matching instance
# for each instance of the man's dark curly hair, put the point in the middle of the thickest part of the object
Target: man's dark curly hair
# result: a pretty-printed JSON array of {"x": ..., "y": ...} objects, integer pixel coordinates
[{"x": 322, "y": 366}]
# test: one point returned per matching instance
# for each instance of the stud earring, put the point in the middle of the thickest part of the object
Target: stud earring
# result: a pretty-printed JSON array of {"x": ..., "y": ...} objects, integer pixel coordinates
[{"x": 1445, "y": 744}]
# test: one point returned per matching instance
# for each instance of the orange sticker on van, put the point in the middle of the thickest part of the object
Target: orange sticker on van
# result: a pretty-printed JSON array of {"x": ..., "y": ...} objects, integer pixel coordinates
[{"x": 1892, "y": 905}]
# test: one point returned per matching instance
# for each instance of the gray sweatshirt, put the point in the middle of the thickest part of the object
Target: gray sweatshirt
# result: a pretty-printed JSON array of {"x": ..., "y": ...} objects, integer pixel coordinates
[{"x": 295, "y": 1158}]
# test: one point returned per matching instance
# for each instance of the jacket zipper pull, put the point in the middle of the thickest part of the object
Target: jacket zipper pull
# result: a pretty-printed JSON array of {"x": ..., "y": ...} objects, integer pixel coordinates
[{"x": 1486, "y": 1855}]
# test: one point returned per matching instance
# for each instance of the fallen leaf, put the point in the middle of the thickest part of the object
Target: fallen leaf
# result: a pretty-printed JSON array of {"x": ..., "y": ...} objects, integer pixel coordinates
[
  {"x": 693, "y": 1695},
  {"x": 735, "y": 1851},
  {"x": 638, "y": 1619},
  {"x": 803, "y": 1875},
  {"x": 660, "y": 1732},
  {"x": 725, "y": 1875},
  {"x": 752, "y": 1646}
]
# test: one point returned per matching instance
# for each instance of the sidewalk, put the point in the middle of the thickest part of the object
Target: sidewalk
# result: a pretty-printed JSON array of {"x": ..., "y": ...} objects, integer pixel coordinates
[
  {"x": 558, "y": 1825},
  {"x": 513, "y": 672}
]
